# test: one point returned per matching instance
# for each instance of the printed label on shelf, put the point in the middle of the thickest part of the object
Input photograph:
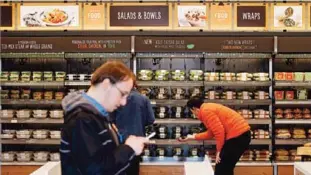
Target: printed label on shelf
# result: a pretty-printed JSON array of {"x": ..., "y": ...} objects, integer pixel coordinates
[{"x": 14, "y": 121}]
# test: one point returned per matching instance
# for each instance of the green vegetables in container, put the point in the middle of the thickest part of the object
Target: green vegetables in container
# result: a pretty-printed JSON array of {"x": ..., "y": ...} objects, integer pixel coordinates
[
  {"x": 299, "y": 76},
  {"x": 307, "y": 76}
]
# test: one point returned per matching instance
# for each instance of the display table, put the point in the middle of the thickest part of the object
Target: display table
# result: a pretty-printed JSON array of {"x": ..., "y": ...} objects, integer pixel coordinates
[
  {"x": 198, "y": 168},
  {"x": 302, "y": 168}
]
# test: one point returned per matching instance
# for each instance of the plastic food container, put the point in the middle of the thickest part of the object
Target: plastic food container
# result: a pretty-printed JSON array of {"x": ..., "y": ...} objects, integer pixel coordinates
[
  {"x": 41, "y": 156},
  {"x": 48, "y": 95},
  {"x": 48, "y": 76},
  {"x": 299, "y": 76},
  {"x": 8, "y": 156},
  {"x": 4, "y": 76},
  {"x": 60, "y": 76},
  {"x": 23, "y": 134},
  {"x": 56, "y": 114},
  {"x": 14, "y": 76},
  {"x": 37, "y": 95},
  {"x": 40, "y": 134},
  {"x": 37, "y": 76},
  {"x": 24, "y": 156},
  {"x": 55, "y": 134},
  {"x": 54, "y": 156},
  {"x": 24, "y": 113},
  {"x": 25, "y": 94},
  {"x": 59, "y": 95},
  {"x": 4, "y": 94},
  {"x": 7, "y": 113},
  {"x": 279, "y": 76},
  {"x": 25, "y": 75},
  {"x": 40, "y": 113}
]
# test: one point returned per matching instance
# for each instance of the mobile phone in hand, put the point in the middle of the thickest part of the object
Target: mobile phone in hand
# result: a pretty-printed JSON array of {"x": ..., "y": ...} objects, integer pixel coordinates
[{"x": 151, "y": 135}]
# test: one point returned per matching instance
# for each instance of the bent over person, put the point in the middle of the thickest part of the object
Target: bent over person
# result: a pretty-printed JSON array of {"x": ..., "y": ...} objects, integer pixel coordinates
[
  {"x": 89, "y": 143},
  {"x": 230, "y": 130}
]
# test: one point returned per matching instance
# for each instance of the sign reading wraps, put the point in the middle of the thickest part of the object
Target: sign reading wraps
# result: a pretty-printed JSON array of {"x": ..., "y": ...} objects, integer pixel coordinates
[
  {"x": 65, "y": 44},
  {"x": 140, "y": 16},
  {"x": 204, "y": 44},
  {"x": 251, "y": 16}
]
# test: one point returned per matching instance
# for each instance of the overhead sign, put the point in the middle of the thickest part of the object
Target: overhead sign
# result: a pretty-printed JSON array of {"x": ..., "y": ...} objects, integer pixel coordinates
[{"x": 7, "y": 21}]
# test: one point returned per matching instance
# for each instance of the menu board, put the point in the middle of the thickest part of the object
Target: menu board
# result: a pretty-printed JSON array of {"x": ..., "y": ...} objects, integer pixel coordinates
[
  {"x": 302, "y": 44},
  {"x": 289, "y": 16},
  {"x": 66, "y": 44},
  {"x": 204, "y": 44},
  {"x": 94, "y": 16},
  {"x": 190, "y": 16},
  {"x": 7, "y": 22},
  {"x": 49, "y": 16},
  {"x": 131, "y": 16},
  {"x": 221, "y": 16},
  {"x": 250, "y": 16}
]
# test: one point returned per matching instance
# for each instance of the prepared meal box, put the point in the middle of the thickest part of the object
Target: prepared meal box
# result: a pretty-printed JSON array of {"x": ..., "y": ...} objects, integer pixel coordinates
[
  {"x": 290, "y": 95},
  {"x": 23, "y": 113},
  {"x": 48, "y": 95},
  {"x": 15, "y": 94},
  {"x": 60, "y": 76},
  {"x": 228, "y": 95},
  {"x": 245, "y": 95},
  {"x": 56, "y": 114},
  {"x": 37, "y": 95},
  {"x": 244, "y": 76},
  {"x": 4, "y": 76},
  {"x": 40, "y": 113},
  {"x": 161, "y": 75},
  {"x": 26, "y": 75},
  {"x": 72, "y": 77},
  {"x": 48, "y": 76},
  {"x": 37, "y": 76},
  {"x": 41, "y": 156},
  {"x": 211, "y": 76},
  {"x": 24, "y": 156},
  {"x": 54, "y": 156},
  {"x": 289, "y": 76},
  {"x": 196, "y": 91},
  {"x": 8, "y": 156},
  {"x": 302, "y": 94},
  {"x": 227, "y": 76},
  {"x": 307, "y": 76},
  {"x": 26, "y": 93},
  {"x": 261, "y": 95},
  {"x": 7, "y": 113},
  {"x": 14, "y": 76},
  {"x": 299, "y": 76},
  {"x": 145, "y": 75},
  {"x": 40, "y": 134},
  {"x": 145, "y": 91},
  {"x": 212, "y": 95},
  {"x": 279, "y": 95},
  {"x": 5, "y": 94},
  {"x": 59, "y": 95},
  {"x": 178, "y": 75},
  {"x": 196, "y": 75},
  {"x": 279, "y": 76},
  {"x": 23, "y": 134}
]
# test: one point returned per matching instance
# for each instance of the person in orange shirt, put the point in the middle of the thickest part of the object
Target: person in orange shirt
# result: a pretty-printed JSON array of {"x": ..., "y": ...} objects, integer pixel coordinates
[{"x": 230, "y": 130}]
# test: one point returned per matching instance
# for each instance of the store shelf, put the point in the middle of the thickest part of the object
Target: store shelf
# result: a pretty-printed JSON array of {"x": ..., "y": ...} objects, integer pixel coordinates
[
  {"x": 292, "y": 121},
  {"x": 237, "y": 55},
  {"x": 259, "y": 121},
  {"x": 293, "y": 102},
  {"x": 285, "y": 163},
  {"x": 32, "y": 55},
  {"x": 34, "y": 83},
  {"x": 260, "y": 142},
  {"x": 240, "y": 102},
  {"x": 77, "y": 83},
  {"x": 22, "y": 163},
  {"x": 98, "y": 55},
  {"x": 292, "y": 84},
  {"x": 238, "y": 83},
  {"x": 169, "y": 102},
  {"x": 174, "y": 142},
  {"x": 33, "y": 120},
  {"x": 291, "y": 141},
  {"x": 31, "y": 141},
  {"x": 30, "y": 102},
  {"x": 169, "y": 55},
  {"x": 171, "y": 83},
  {"x": 293, "y": 56},
  {"x": 177, "y": 121}
]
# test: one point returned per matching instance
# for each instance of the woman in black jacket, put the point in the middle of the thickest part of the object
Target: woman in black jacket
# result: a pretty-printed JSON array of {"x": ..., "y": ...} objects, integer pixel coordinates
[{"x": 89, "y": 144}]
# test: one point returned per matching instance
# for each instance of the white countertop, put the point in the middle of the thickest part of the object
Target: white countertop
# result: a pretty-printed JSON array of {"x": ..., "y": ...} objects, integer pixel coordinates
[{"x": 304, "y": 167}]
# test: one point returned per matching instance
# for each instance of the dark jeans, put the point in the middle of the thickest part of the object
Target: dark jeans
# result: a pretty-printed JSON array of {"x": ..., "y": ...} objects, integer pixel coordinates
[
  {"x": 133, "y": 169},
  {"x": 231, "y": 153}
]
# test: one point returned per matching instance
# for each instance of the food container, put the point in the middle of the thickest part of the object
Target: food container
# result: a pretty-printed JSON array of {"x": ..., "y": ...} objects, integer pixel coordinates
[
  {"x": 288, "y": 116},
  {"x": 244, "y": 76},
  {"x": 290, "y": 95},
  {"x": 38, "y": 95},
  {"x": 37, "y": 76},
  {"x": 40, "y": 134},
  {"x": 299, "y": 76},
  {"x": 144, "y": 77},
  {"x": 24, "y": 156},
  {"x": 8, "y": 156},
  {"x": 14, "y": 94},
  {"x": 261, "y": 95},
  {"x": 245, "y": 95},
  {"x": 228, "y": 95},
  {"x": 161, "y": 75},
  {"x": 280, "y": 76},
  {"x": 55, "y": 134},
  {"x": 25, "y": 76},
  {"x": 302, "y": 94},
  {"x": 306, "y": 116},
  {"x": 40, "y": 113},
  {"x": 145, "y": 72},
  {"x": 177, "y": 151},
  {"x": 48, "y": 95},
  {"x": 48, "y": 76},
  {"x": 307, "y": 76},
  {"x": 14, "y": 76},
  {"x": 60, "y": 76},
  {"x": 227, "y": 76},
  {"x": 306, "y": 111},
  {"x": 289, "y": 76},
  {"x": 5, "y": 94},
  {"x": 25, "y": 94},
  {"x": 7, "y": 136},
  {"x": 145, "y": 91},
  {"x": 23, "y": 114},
  {"x": 56, "y": 114},
  {"x": 195, "y": 91},
  {"x": 59, "y": 95},
  {"x": 4, "y": 76},
  {"x": 54, "y": 156},
  {"x": 196, "y": 75},
  {"x": 41, "y": 156},
  {"x": 279, "y": 95},
  {"x": 178, "y": 75},
  {"x": 211, "y": 95},
  {"x": 9, "y": 131},
  {"x": 7, "y": 113},
  {"x": 23, "y": 134},
  {"x": 72, "y": 77},
  {"x": 161, "y": 152}
]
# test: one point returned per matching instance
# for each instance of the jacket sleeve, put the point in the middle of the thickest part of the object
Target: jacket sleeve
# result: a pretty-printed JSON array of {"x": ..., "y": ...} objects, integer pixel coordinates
[
  {"x": 149, "y": 114},
  {"x": 96, "y": 156},
  {"x": 213, "y": 123},
  {"x": 204, "y": 135}
]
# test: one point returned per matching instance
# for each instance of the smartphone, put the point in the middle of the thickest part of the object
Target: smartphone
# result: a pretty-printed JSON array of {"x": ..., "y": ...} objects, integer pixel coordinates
[{"x": 151, "y": 135}]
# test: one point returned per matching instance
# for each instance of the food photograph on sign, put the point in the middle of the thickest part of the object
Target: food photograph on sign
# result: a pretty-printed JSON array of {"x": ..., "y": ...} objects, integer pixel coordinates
[
  {"x": 192, "y": 16},
  {"x": 49, "y": 16},
  {"x": 288, "y": 16}
]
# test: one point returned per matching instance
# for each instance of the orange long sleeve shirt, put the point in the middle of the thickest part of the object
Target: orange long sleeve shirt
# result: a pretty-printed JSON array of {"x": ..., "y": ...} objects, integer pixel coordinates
[{"x": 222, "y": 123}]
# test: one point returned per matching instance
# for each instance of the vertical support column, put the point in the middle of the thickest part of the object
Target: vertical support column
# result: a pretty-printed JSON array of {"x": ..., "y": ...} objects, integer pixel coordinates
[{"x": 134, "y": 59}]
